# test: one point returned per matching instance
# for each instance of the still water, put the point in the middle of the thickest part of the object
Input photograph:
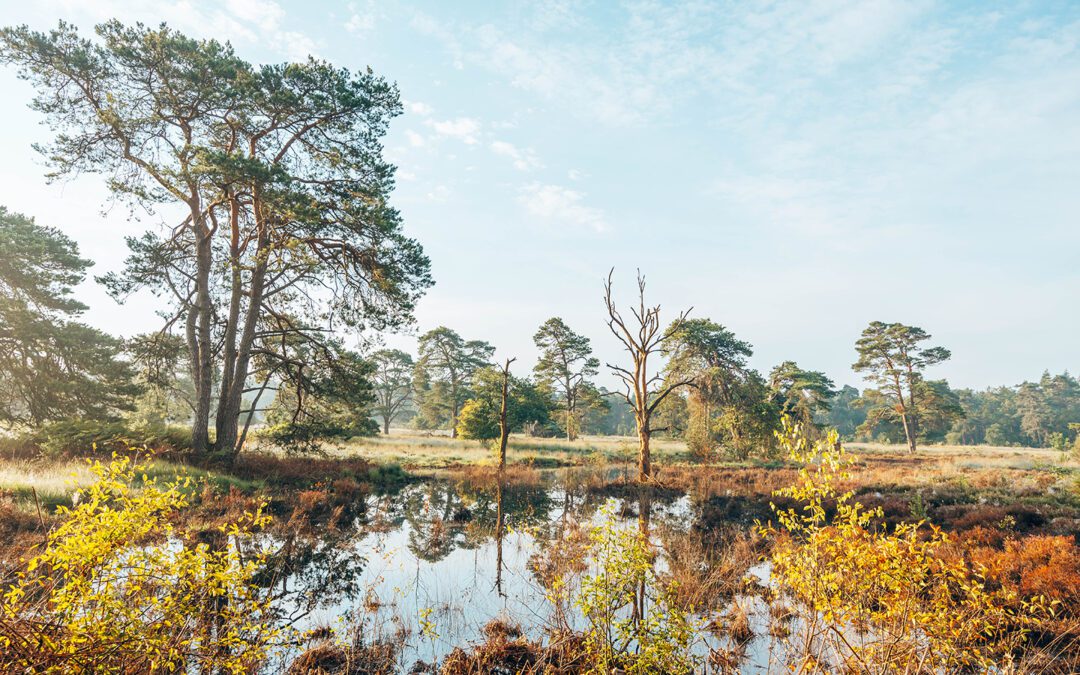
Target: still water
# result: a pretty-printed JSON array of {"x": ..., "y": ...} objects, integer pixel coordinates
[{"x": 427, "y": 566}]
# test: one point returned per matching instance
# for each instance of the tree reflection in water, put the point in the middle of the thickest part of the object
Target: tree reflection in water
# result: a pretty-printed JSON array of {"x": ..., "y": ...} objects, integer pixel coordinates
[
  {"x": 311, "y": 567},
  {"x": 467, "y": 548}
]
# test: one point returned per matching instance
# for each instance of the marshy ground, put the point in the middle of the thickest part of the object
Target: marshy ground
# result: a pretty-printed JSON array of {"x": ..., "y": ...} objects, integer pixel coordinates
[{"x": 414, "y": 543}]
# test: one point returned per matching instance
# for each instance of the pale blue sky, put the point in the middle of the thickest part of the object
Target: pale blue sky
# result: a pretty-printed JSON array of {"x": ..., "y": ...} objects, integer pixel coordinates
[{"x": 793, "y": 170}]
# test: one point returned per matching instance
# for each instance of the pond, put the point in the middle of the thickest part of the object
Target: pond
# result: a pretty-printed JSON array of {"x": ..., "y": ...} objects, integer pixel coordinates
[{"x": 426, "y": 567}]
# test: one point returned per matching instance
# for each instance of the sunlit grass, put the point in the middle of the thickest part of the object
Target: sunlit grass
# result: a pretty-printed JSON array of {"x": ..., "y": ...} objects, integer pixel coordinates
[
  {"x": 55, "y": 482},
  {"x": 975, "y": 456},
  {"x": 433, "y": 450},
  {"x": 418, "y": 450}
]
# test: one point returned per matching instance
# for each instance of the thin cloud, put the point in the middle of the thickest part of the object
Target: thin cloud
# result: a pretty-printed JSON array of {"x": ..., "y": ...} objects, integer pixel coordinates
[
  {"x": 440, "y": 193},
  {"x": 361, "y": 18},
  {"x": 559, "y": 205},
  {"x": 464, "y": 129},
  {"x": 419, "y": 108},
  {"x": 524, "y": 160},
  {"x": 247, "y": 22},
  {"x": 645, "y": 61}
]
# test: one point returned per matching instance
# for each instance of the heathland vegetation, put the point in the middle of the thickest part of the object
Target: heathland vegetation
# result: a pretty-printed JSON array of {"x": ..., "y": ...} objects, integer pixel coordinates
[{"x": 235, "y": 474}]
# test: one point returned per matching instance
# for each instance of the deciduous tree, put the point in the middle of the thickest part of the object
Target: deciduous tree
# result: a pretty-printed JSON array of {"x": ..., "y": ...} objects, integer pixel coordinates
[
  {"x": 392, "y": 379},
  {"x": 500, "y": 404},
  {"x": 504, "y": 421}
]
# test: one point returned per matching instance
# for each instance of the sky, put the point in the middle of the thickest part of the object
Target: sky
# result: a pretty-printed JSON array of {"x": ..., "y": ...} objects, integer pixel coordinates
[{"x": 791, "y": 170}]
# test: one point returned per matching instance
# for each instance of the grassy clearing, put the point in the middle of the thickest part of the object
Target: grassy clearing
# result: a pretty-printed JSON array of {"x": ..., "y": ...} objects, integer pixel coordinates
[
  {"x": 55, "y": 482},
  {"x": 974, "y": 456},
  {"x": 413, "y": 451},
  {"x": 385, "y": 461}
]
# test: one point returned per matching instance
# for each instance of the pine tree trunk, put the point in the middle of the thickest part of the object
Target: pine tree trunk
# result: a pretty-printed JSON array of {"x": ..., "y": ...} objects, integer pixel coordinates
[
  {"x": 570, "y": 435},
  {"x": 908, "y": 434},
  {"x": 199, "y": 335},
  {"x": 453, "y": 411},
  {"x": 226, "y": 440},
  {"x": 232, "y": 400}
]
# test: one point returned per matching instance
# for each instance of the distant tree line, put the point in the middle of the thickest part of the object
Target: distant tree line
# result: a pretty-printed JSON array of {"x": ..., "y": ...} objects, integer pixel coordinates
[
  {"x": 1040, "y": 414},
  {"x": 54, "y": 368}
]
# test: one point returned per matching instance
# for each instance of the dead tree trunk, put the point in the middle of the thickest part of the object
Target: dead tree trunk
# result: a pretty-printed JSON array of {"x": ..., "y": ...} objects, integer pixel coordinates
[
  {"x": 644, "y": 392},
  {"x": 500, "y": 528},
  {"x": 504, "y": 427}
]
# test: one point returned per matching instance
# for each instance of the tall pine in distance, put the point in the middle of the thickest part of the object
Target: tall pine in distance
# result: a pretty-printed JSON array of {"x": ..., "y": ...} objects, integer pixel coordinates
[
  {"x": 566, "y": 363},
  {"x": 891, "y": 356},
  {"x": 52, "y": 367}
]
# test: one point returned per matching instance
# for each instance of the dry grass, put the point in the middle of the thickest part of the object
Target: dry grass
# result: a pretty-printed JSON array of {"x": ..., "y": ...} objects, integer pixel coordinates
[
  {"x": 979, "y": 455},
  {"x": 49, "y": 483},
  {"x": 418, "y": 450},
  {"x": 708, "y": 571},
  {"x": 54, "y": 482}
]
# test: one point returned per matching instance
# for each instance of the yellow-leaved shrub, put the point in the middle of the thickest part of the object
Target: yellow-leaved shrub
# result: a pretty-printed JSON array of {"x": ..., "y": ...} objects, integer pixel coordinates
[
  {"x": 875, "y": 600},
  {"x": 117, "y": 588}
]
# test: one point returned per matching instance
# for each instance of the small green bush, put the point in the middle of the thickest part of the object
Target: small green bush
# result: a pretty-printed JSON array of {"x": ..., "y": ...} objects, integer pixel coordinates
[
  {"x": 387, "y": 476},
  {"x": 308, "y": 437},
  {"x": 635, "y": 625}
]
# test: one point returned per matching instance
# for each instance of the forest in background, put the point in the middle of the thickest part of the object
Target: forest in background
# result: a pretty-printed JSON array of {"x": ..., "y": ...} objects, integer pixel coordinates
[{"x": 61, "y": 377}]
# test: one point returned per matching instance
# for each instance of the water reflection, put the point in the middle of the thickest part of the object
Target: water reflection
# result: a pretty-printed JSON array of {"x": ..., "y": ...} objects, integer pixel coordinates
[
  {"x": 466, "y": 549},
  {"x": 500, "y": 530}
]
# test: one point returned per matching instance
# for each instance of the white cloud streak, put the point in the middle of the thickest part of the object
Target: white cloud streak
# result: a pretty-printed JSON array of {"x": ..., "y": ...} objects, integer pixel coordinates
[
  {"x": 464, "y": 129},
  {"x": 561, "y": 206},
  {"x": 523, "y": 160},
  {"x": 243, "y": 22}
]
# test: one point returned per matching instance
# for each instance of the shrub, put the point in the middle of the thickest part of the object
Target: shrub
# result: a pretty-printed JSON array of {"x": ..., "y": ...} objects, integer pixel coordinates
[
  {"x": 1032, "y": 567},
  {"x": 78, "y": 437},
  {"x": 876, "y": 600},
  {"x": 308, "y": 437},
  {"x": 634, "y": 623},
  {"x": 478, "y": 420},
  {"x": 118, "y": 589}
]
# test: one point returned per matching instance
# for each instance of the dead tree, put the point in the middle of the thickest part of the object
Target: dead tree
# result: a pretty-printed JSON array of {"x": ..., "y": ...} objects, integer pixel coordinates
[
  {"x": 644, "y": 392},
  {"x": 504, "y": 427}
]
